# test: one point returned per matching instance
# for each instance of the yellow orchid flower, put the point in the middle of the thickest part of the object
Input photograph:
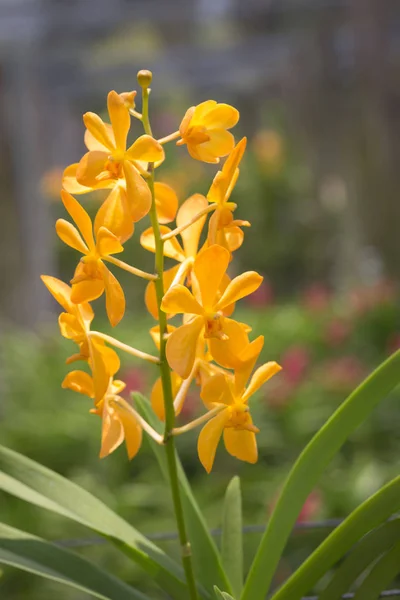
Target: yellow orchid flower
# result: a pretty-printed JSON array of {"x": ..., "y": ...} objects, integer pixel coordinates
[
  {"x": 118, "y": 423},
  {"x": 233, "y": 420},
  {"x": 110, "y": 163},
  {"x": 209, "y": 311},
  {"x": 222, "y": 228},
  {"x": 75, "y": 325},
  {"x": 204, "y": 130},
  {"x": 184, "y": 253},
  {"x": 92, "y": 277},
  {"x": 75, "y": 321}
]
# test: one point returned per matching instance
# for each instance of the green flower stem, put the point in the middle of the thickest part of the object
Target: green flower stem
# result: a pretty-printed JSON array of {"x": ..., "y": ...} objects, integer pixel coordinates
[{"x": 166, "y": 375}]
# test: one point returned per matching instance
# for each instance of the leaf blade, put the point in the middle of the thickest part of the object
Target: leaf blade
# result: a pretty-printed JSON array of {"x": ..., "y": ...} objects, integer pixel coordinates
[
  {"x": 232, "y": 536},
  {"x": 309, "y": 467},
  {"x": 30, "y": 553},
  {"x": 34, "y": 483}
]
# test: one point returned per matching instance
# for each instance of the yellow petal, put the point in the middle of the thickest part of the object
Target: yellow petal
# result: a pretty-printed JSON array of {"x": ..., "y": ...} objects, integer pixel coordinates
[
  {"x": 107, "y": 243},
  {"x": 109, "y": 359},
  {"x": 209, "y": 438},
  {"x": 98, "y": 129},
  {"x": 79, "y": 381},
  {"x": 221, "y": 116},
  {"x": 181, "y": 347},
  {"x": 128, "y": 98},
  {"x": 198, "y": 152},
  {"x": 112, "y": 432},
  {"x": 137, "y": 191},
  {"x": 87, "y": 290},
  {"x": 79, "y": 216},
  {"x": 201, "y": 110},
  {"x": 92, "y": 143},
  {"x": 248, "y": 358},
  {"x": 70, "y": 236},
  {"x": 239, "y": 287},
  {"x": 132, "y": 432},
  {"x": 90, "y": 166},
  {"x": 227, "y": 352},
  {"x": 59, "y": 290},
  {"x": 157, "y": 395},
  {"x": 241, "y": 444},
  {"x": 209, "y": 269},
  {"x": 120, "y": 119},
  {"x": 71, "y": 185},
  {"x": 150, "y": 297},
  {"x": 191, "y": 236},
  {"x": 115, "y": 298},
  {"x": 70, "y": 327},
  {"x": 186, "y": 120},
  {"x": 261, "y": 375},
  {"x": 179, "y": 299},
  {"x": 114, "y": 215},
  {"x": 145, "y": 148},
  {"x": 216, "y": 390},
  {"x": 234, "y": 237},
  {"x": 155, "y": 334},
  {"x": 221, "y": 142},
  {"x": 101, "y": 365},
  {"x": 166, "y": 202},
  {"x": 172, "y": 247}
]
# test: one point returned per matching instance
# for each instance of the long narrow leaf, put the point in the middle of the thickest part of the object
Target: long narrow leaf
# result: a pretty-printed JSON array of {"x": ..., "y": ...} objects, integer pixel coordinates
[
  {"x": 38, "y": 485},
  {"x": 206, "y": 558},
  {"x": 381, "y": 575},
  {"x": 308, "y": 469},
  {"x": 232, "y": 536},
  {"x": 367, "y": 516},
  {"x": 30, "y": 553},
  {"x": 365, "y": 553},
  {"x": 222, "y": 595}
]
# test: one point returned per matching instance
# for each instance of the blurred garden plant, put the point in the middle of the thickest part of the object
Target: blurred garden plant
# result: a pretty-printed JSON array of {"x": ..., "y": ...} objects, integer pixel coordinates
[{"x": 206, "y": 346}]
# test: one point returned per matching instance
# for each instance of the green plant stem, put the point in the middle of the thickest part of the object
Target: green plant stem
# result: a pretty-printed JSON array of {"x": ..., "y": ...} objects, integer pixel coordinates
[{"x": 169, "y": 440}]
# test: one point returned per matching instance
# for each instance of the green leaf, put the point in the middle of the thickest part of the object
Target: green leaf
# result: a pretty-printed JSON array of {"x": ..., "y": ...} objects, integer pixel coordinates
[
  {"x": 232, "y": 538},
  {"x": 38, "y": 485},
  {"x": 30, "y": 553},
  {"x": 365, "y": 553},
  {"x": 206, "y": 558},
  {"x": 308, "y": 469},
  {"x": 222, "y": 595},
  {"x": 381, "y": 575},
  {"x": 367, "y": 516}
]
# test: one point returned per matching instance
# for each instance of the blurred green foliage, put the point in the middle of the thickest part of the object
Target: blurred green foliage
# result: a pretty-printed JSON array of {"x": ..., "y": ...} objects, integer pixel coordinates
[{"x": 326, "y": 345}]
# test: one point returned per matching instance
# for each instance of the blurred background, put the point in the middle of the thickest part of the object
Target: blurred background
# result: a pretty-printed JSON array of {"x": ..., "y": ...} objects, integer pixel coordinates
[{"x": 317, "y": 83}]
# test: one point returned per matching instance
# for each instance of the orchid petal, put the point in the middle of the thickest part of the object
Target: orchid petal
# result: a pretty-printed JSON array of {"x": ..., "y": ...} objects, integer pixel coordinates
[
  {"x": 261, "y": 376},
  {"x": 209, "y": 438},
  {"x": 59, "y": 290},
  {"x": 80, "y": 217},
  {"x": 114, "y": 215},
  {"x": 112, "y": 432},
  {"x": 92, "y": 143},
  {"x": 172, "y": 248},
  {"x": 216, "y": 390},
  {"x": 209, "y": 269},
  {"x": 145, "y": 148},
  {"x": 241, "y": 286},
  {"x": 166, "y": 202},
  {"x": 227, "y": 352},
  {"x": 79, "y": 381},
  {"x": 191, "y": 236},
  {"x": 241, "y": 444},
  {"x": 89, "y": 168},
  {"x": 96, "y": 126},
  {"x": 157, "y": 395},
  {"x": 120, "y": 119},
  {"x": 115, "y": 298},
  {"x": 221, "y": 116},
  {"x": 179, "y": 299},
  {"x": 107, "y": 243},
  {"x": 70, "y": 236},
  {"x": 181, "y": 347},
  {"x": 137, "y": 191}
]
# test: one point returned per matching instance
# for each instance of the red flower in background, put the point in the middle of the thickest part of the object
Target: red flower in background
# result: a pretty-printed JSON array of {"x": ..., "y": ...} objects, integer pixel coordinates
[
  {"x": 337, "y": 331},
  {"x": 343, "y": 373},
  {"x": 316, "y": 298},
  {"x": 294, "y": 364},
  {"x": 135, "y": 379}
]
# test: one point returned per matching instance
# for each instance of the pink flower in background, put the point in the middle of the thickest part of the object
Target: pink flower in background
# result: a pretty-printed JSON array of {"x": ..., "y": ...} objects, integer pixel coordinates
[
  {"x": 294, "y": 363},
  {"x": 337, "y": 331},
  {"x": 262, "y": 297},
  {"x": 281, "y": 394},
  {"x": 190, "y": 406},
  {"x": 135, "y": 380},
  {"x": 364, "y": 299},
  {"x": 311, "y": 507},
  {"x": 316, "y": 298},
  {"x": 343, "y": 373}
]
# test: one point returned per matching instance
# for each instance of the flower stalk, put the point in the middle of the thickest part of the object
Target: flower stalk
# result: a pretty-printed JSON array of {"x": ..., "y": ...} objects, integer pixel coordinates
[{"x": 165, "y": 372}]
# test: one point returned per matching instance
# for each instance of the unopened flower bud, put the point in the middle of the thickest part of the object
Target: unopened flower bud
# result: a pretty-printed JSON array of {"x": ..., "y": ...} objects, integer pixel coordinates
[{"x": 144, "y": 78}]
